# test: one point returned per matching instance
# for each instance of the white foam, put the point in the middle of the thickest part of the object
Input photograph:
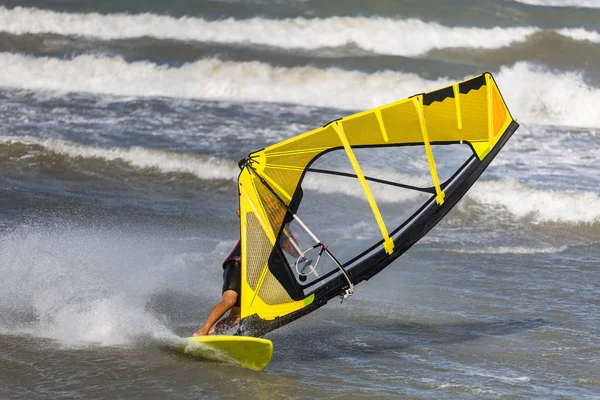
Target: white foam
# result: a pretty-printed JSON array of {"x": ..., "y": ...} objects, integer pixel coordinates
[
  {"x": 512, "y": 250},
  {"x": 541, "y": 205},
  {"x": 562, "y": 3},
  {"x": 536, "y": 95},
  {"x": 533, "y": 94},
  {"x": 381, "y": 35},
  {"x": 581, "y": 34},
  {"x": 211, "y": 79},
  {"x": 208, "y": 168},
  {"x": 463, "y": 388},
  {"x": 82, "y": 287},
  {"x": 115, "y": 320}
]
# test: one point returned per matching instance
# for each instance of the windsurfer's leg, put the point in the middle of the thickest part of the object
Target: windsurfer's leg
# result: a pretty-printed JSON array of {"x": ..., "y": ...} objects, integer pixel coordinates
[{"x": 227, "y": 302}]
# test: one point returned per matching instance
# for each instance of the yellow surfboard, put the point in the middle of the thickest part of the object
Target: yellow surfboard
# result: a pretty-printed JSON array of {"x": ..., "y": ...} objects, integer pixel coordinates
[{"x": 248, "y": 352}]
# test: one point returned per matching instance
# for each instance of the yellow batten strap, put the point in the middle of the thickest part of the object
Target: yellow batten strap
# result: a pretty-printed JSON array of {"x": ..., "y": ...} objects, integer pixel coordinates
[
  {"x": 286, "y": 167},
  {"x": 293, "y": 152},
  {"x": 488, "y": 83},
  {"x": 440, "y": 195},
  {"x": 388, "y": 242},
  {"x": 270, "y": 235},
  {"x": 381, "y": 125},
  {"x": 457, "y": 102}
]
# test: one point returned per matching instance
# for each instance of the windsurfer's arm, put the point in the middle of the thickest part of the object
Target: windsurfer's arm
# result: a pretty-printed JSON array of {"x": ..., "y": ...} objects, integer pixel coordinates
[{"x": 288, "y": 242}]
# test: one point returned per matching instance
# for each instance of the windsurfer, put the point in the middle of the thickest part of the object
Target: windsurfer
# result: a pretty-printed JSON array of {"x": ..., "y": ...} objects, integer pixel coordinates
[{"x": 232, "y": 282}]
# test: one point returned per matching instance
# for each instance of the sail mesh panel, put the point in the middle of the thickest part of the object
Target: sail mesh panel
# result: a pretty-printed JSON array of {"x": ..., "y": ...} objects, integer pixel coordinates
[
  {"x": 258, "y": 248},
  {"x": 271, "y": 291},
  {"x": 257, "y": 253}
]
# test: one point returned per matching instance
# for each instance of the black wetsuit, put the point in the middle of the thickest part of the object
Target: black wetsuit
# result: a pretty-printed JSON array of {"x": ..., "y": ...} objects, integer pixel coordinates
[{"x": 232, "y": 272}]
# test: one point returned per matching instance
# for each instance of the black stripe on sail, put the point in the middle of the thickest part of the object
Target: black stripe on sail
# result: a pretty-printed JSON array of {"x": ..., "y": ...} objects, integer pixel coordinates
[
  {"x": 448, "y": 92},
  {"x": 438, "y": 95},
  {"x": 472, "y": 84}
]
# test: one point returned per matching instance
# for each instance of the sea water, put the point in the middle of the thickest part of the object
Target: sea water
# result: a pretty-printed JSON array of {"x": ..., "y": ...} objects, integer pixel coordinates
[{"x": 121, "y": 125}]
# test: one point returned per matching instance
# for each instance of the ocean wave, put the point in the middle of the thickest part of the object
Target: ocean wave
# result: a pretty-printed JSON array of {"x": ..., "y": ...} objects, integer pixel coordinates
[
  {"x": 164, "y": 162},
  {"x": 562, "y": 3},
  {"x": 537, "y": 95},
  {"x": 402, "y": 37},
  {"x": 540, "y": 206},
  {"x": 207, "y": 168},
  {"x": 534, "y": 94},
  {"x": 581, "y": 34},
  {"x": 512, "y": 250},
  {"x": 408, "y": 37},
  {"x": 211, "y": 79}
]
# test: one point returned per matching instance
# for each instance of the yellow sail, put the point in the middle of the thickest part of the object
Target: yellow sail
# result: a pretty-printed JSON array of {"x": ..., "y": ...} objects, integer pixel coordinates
[{"x": 471, "y": 112}]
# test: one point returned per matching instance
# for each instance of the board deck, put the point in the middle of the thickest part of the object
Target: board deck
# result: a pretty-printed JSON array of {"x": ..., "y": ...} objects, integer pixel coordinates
[{"x": 248, "y": 352}]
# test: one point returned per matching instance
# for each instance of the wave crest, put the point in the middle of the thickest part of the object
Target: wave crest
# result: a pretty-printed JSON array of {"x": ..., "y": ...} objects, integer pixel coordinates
[
  {"x": 208, "y": 168},
  {"x": 407, "y": 37}
]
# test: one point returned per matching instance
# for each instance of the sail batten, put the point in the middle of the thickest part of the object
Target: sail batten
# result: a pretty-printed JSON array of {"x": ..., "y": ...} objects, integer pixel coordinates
[{"x": 388, "y": 243}]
